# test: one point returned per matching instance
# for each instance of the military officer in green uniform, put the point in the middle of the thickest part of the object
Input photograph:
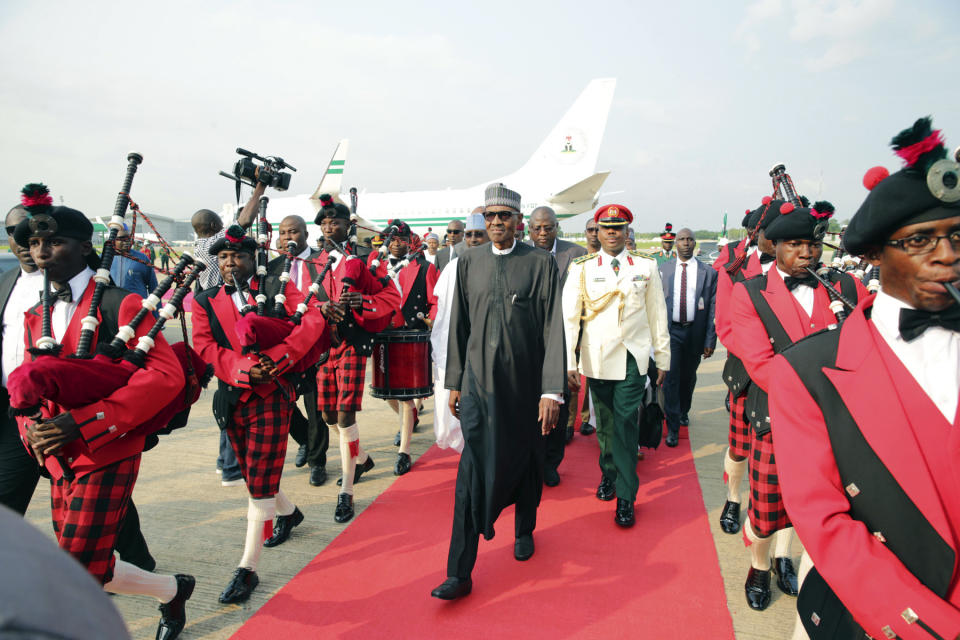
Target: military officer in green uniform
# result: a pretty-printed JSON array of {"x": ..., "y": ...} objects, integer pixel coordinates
[
  {"x": 614, "y": 301},
  {"x": 667, "y": 240}
]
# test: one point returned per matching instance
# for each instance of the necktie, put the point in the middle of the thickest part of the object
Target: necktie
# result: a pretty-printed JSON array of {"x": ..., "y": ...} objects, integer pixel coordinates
[
  {"x": 792, "y": 283},
  {"x": 683, "y": 293},
  {"x": 914, "y": 322},
  {"x": 616, "y": 266}
]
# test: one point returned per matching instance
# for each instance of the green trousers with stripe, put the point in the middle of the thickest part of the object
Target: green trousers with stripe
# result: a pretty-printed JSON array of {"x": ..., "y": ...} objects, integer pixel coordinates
[{"x": 616, "y": 403}]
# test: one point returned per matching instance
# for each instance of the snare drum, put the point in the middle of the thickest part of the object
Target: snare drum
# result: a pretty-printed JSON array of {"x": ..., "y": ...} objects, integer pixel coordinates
[{"x": 402, "y": 368}]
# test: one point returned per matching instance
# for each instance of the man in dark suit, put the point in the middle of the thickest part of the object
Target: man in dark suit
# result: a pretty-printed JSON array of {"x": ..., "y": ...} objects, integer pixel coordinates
[
  {"x": 310, "y": 432},
  {"x": 690, "y": 287},
  {"x": 543, "y": 235},
  {"x": 454, "y": 242}
]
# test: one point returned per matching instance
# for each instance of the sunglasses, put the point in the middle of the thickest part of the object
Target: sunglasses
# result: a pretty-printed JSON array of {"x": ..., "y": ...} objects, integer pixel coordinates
[
  {"x": 476, "y": 234},
  {"x": 11, "y": 229},
  {"x": 592, "y": 229},
  {"x": 455, "y": 231},
  {"x": 503, "y": 215}
]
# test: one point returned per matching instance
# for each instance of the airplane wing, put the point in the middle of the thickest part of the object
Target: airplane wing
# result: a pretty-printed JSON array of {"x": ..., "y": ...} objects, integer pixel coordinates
[{"x": 586, "y": 189}]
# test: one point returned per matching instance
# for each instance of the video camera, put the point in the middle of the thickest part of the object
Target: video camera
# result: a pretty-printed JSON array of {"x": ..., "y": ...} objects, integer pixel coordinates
[{"x": 270, "y": 171}]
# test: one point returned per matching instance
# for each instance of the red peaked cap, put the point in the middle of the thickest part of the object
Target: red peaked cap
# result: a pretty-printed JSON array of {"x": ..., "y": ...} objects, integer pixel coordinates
[
  {"x": 668, "y": 233},
  {"x": 613, "y": 215}
]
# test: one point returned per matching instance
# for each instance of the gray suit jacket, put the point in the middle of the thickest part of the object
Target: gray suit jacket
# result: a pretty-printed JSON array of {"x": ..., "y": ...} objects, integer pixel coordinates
[
  {"x": 443, "y": 255},
  {"x": 566, "y": 253},
  {"x": 704, "y": 330}
]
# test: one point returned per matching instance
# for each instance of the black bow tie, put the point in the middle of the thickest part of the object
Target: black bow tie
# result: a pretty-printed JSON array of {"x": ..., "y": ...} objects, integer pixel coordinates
[
  {"x": 394, "y": 261},
  {"x": 792, "y": 283},
  {"x": 65, "y": 294},
  {"x": 230, "y": 289},
  {"x": 766, "y": 257},
  {"x": 914, "y": 322}
]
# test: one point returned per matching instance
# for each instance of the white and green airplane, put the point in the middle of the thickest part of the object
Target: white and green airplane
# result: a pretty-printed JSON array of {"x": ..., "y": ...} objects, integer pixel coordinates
[{"x": 561, "y": 174}]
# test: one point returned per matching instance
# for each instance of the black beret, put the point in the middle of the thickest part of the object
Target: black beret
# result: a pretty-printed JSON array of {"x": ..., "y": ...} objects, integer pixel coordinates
[
  {"x": 925, "y": 189},
  {"x": 234, "y": 239},
  {"x": 401, "y": 228},
  {"x": 55, "y": 221},
  {"x": 331, "y": 209},
  {"x": 800, "y": 223}
]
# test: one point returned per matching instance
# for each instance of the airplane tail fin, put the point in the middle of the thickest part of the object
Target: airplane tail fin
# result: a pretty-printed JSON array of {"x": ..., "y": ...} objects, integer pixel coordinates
[
  {"x": 569, "y": 153},
  {"x": 333, "y": 176}
]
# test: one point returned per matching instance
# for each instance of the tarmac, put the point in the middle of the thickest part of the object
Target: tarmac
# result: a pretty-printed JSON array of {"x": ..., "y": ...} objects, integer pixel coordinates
[{"x": 194, "y": 525}]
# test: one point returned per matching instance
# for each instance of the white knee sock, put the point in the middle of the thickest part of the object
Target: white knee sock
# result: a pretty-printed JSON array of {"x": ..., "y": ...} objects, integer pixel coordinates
[
  {"x": 129, "y": 579},
  {"x": 284, "y": 506},
  {"x": 406, "y": 426},
  {"x": 735, "y": 472},
  {"x": 260, "y": 513},
  {"x": 759, "y": 548},
  {"x": 349, "y": 449},
  {"x": 784, "y": 538}
]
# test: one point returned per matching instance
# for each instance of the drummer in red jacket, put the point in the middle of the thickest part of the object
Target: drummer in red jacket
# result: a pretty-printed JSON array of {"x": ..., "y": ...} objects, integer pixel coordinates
[{"x": 417, "y": 278}]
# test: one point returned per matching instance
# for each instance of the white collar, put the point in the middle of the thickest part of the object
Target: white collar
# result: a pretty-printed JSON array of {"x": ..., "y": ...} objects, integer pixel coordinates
[
  {"x": 303, "y": 255},
  {"x": 78, "y": 283},
  {"x": 886, "y": 312},
  {"x": 36, "y": 274},
  {"x": 503, "y": 252},
  {"x": 679, "y": 261},
  {"x": 554, "y": 250},
  {"x": 620, "y": 256}
]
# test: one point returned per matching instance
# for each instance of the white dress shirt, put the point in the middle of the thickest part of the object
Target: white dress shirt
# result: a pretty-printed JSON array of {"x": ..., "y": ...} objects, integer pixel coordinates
[
  {"x": 606, "y": 259},
  {"x": 24, "y": 295},
  {"x": 241, "y": 300},
  {"x": 802, "y": 294},
  {"x": 933, "y": 359},
  {"x": 298, "y": 269},
  {"x": 430, "y": 257},
  {"x": 62, "y": 312},
  {"x": 764, "y": 267},
  {"x": 690, "y": 301}
]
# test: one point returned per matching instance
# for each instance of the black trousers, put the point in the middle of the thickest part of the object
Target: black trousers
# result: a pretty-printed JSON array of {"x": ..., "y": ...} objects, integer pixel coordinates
[
  {"x": 310, "y": 430},
  {"x": 465, "y": 539},
  {"x": 682, "y": 377},
  {"x": 557, "y": 439}
]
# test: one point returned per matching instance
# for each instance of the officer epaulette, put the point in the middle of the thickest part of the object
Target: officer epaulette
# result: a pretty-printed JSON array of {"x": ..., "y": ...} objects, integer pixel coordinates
[
  {"x": 582, "y": 259},
  {"x": 641, "y": 254}
]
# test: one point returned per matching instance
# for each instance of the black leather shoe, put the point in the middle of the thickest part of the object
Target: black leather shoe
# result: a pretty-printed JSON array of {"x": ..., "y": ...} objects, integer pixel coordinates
[
  {"x": 586, "y": 429},
  {"x": 523, "y": 547},
  {"x": 624, "y": 515},
  {"x": 569, "y": 434},
  {"x": 757, "y": 589},
  {"x": 403, "y": 464},
  {"x": 282, "y": 526},
  {"x": 301, "y": 458},
  {"x": 396, "y": 440},
  {"x": 730, "y": 517},
  {"x": 786, "y": 576},
  {"x": 318, "y": 475},
  {"x": 606, "y": 491},
  {"x": 360, "y": 470},
  {"x": 344, "y": 510},
  {"x": 685, "y": 420},
  {"x": 173, "y": 614},
  {"x": 550, "y": 477},
  {"x": 453, "y": 588},
  {"x": 673, "y": 439},
  {"x": 241, "y": 585}
]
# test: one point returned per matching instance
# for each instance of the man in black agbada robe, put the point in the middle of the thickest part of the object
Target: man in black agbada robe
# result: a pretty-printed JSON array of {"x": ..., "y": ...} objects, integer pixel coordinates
[{"x": 505, "y": 370}]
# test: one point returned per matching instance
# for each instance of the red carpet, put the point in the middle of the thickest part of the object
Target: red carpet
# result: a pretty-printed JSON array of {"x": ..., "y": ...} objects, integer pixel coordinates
[{"x": 588, "y": 578}]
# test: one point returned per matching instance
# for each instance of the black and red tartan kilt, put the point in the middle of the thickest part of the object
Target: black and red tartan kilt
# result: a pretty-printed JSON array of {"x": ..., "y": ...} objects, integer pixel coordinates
[
  {"x": 258, "y": 432},
  {"x": 767, "y": 513},
  {"x": 87, "y": 514},
  {"x": 340, "y": 381},
  {"x": 739, "y": 435}
]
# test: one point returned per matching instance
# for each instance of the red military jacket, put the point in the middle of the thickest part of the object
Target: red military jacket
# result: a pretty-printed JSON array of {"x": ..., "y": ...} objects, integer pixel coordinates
[
  {"x": 749, "y": 339},
  {"x": 416, "y": 292},
  {"x": 725, "y": 284},
  {"x": 724, "y": 255},
  {"x": 380, "y": 300},
  {"x": 916, "y": 444},
  {"x": 230, "y": 364},
  {"x": 108, "y": 428}
]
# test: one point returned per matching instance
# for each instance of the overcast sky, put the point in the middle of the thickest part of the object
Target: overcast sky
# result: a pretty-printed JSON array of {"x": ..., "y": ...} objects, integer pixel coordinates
[{"x": 435, "y": 95}]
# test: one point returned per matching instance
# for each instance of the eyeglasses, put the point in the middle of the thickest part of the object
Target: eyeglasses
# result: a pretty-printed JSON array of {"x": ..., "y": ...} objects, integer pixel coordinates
[
  {"x": 455, "y": 231},
  {"x": 503, "y": 215},
  {"x": 921, "y": 243},
  {"x": 591, "y": 229},
  {"x": 476, "y": 234},
  {"x": 11, "y": 229}
]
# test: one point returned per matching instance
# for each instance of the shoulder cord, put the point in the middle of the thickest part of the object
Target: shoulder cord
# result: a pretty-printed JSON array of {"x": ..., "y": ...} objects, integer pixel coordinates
[{"x": 594, "y": 306}]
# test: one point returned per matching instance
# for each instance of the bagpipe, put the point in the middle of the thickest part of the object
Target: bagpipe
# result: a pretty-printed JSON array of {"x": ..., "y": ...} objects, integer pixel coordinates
[
  {"x": 260, "y": 329},
  {"x": 84, "y": 377},
  {"x": 784, "y": 189}
]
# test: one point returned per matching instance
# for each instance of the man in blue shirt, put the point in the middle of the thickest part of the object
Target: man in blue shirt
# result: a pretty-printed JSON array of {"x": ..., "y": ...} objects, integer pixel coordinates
[{"x": 127, "y": 273}]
